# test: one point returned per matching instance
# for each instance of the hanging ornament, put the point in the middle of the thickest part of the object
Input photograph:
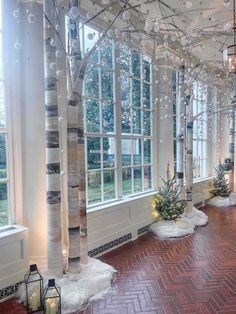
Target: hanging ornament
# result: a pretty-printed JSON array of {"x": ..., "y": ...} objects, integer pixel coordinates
[
  {"x": 58, "y": 54},
  {"x": 53, "y": 66},
  {"x": 126, "y": 15},
  {"x": 53, "y": 42},
  {"x": 17, "y": 45},
  {"x": 74, "y": 12},
  {"x": 31, "y": 18},
  {"x": 90, "y": 36},
  {"x": 188, "y": 4},
  {"x": 16, "y": 13}
]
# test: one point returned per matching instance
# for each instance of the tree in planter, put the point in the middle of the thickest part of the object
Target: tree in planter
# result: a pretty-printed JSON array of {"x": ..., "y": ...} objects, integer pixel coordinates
[
  {"x": 167, "y": 203},
  {"x": 220, "y": 184}
]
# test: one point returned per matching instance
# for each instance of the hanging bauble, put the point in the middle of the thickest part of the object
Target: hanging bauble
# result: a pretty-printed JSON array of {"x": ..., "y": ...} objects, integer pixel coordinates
[
  {"x": 53, "y": 66},
  {"x": 188, "y": 4},
  {"x": 17, "y": 45},
  {"x": 53, "y": 42},
  {"x": 16, "y": 13},
  {"x": 31, "y": 18},
  {"x": 126, "y": 15},
  {"x": 58, "y": 54},
  {"x": 59, "y": 73},
  {"x": 74, "y": 12},
  {"x": 90, "y": 36}
]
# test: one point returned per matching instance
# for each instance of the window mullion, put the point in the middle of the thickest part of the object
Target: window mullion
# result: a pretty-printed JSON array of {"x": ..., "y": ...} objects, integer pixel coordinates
[{"x": 117, "y": 114}]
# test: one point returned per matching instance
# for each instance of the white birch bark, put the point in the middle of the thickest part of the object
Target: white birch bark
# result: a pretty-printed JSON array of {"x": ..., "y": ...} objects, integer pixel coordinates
[
  {"x": 53, "y": 178},
  {"x": 76, "y": 154},
  {"x": 189, "y": 151},
  {"x": 180, "y": 127},
  {"x": 231, "y": 144}
]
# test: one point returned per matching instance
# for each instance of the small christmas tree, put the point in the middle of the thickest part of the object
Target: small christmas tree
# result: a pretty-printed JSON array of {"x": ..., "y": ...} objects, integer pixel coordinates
[
  {"x": 167, "y": 203},
  {"x": 220, "y": 184}
]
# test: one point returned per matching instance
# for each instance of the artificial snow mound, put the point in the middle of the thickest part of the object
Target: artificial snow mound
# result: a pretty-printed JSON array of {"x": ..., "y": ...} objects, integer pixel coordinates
[
  {"x": 220, "y": 201},
  {"x": 77, "y": 290},
  {"x": 195, "y": 217},
  {"x": 182, "y": 227}
]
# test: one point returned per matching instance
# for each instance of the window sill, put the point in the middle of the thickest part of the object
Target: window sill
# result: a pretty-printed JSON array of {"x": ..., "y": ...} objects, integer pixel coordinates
[
  {"x": 120, "y": 201},
  {"x": 199, "y": 180}
]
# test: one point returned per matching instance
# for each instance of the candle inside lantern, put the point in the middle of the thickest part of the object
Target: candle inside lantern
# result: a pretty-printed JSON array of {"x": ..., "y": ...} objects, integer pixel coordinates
[{"x": 34, "y": 301}]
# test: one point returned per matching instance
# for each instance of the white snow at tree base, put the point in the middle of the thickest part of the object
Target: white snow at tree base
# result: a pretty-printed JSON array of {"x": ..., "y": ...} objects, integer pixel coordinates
[
  {"x": 182, "y": 227},
  {"x": 77, "y": 290},
  {"x": 195, "y": 217},
  {"x": 220, "y": 201}
]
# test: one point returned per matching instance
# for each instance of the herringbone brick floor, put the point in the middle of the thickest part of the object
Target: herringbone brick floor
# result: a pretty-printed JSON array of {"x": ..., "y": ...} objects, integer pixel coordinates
[{"x": 195, "y": 274}]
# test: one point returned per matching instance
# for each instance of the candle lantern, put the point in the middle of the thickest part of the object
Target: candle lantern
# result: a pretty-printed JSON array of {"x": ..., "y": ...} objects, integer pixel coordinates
[
  {"x": 34, "y": 290},
  {"x": 52, "y": 298}
]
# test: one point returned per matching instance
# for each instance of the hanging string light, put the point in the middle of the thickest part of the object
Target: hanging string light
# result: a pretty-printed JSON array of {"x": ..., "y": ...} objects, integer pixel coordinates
[{"x": 229, "y": 54}]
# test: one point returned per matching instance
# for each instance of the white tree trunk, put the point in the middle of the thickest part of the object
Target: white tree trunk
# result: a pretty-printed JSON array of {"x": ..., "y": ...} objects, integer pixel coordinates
[
  {"x": 231, "y": 145},
  {"x": 76, "y": 153},
  {"x": 53, "y": 177},
  {"x": 180, "y": 127},
  {"x": 189, "y": 151}
]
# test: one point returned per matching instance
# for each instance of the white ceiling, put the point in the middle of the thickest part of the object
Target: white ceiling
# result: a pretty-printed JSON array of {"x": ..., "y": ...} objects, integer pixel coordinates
[{"x": 205, "y": 23}]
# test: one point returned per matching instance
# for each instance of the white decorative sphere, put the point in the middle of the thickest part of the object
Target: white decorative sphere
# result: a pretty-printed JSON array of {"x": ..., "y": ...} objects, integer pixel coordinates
[
  {"x": 16, "y": 13},
  {"x": 126, "y": 16},
  {"x": 17, "y": 45},
  {"x": 58, "y": 54},
  {"x": 53, "y": 66},
  {"x": 53, "y": 42},
  {"x": 74, "y": 12},
  {"x": 90, "y": 36},
  {"x": 31, "y": 18},
  {"x": 188, "y": 4}
]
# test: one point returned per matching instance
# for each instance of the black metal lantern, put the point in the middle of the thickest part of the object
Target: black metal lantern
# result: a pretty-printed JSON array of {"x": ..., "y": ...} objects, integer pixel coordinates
[
  {"x": 52, "y": 298},
  {"x": 34, "y": 290}
]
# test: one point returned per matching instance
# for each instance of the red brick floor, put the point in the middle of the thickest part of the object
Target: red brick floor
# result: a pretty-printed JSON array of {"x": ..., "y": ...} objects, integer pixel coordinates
[{"x": 195, "y": 274}]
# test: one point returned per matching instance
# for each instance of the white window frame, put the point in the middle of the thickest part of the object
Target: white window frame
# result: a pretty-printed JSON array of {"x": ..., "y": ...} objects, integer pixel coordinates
[
  {"x": 201, "y": 138},
  {"x": 13, "y": 112},
  {"x": 117, "y": 135}
]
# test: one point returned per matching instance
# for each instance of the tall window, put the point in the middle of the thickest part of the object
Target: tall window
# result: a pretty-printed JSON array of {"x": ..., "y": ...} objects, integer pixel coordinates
[
  {"x": 136, "y": 127},
  {"x": 4, "y": 171},
  {"x": 200, "y": 131},
  {"x": 118, "y": 133}
]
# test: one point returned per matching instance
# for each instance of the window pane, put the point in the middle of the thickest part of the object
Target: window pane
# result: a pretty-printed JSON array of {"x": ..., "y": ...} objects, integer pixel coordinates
[
  {"x": 107, "y": 84},
  {"x": 125, "y": 121},
  {"x": 108, "y": 117},
  {"x": 135, "y": 63},
  {"x": 94, "y": 187},
  {"x": 2, "y": 105},
  {"x": 137, "y": 179},
  {"x": 146, "y": 71},
  {"x": 124, "y": 58},
  {"x": 3, "y": 204},
  {"x": 147, "y": 151},
  {"x": 146, "y": 122},
  {"x": 137, "y": 152},
  {"x": 126, "y": 152},
  {"x": 147, "y": 178},
  {"x": 93, "y": 153},
  {"x": 136, "y": 121},
  {"x": 3, "y": 156},
  {"x": 109, "y": 185},
  {"x": 92, "y": 82},
  {"x": 108, "y": 152},
  {"x": 136, "y": 93},
  {"x": 91, "y": 36},
  {"x": 125, "y": 104},
  {"x": 146, "y": 96},
  {"x": 126, "y": 181},
  {"x": 92, "y": 116},
  {"x": 106, "y": 50}
]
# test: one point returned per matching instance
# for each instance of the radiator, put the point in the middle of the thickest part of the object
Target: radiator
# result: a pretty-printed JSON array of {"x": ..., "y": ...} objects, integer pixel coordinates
[{"x": 13, "y": 255}]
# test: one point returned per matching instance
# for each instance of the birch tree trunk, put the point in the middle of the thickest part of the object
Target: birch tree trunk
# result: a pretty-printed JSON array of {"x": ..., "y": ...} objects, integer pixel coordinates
[
  {"x": 231, "y": 144},
  {"x": 76, "y": 154},
  {"x": 189, "y": 151},
  {"x": 53, "y": 178},
  {"x": 180, "y": 127}
]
